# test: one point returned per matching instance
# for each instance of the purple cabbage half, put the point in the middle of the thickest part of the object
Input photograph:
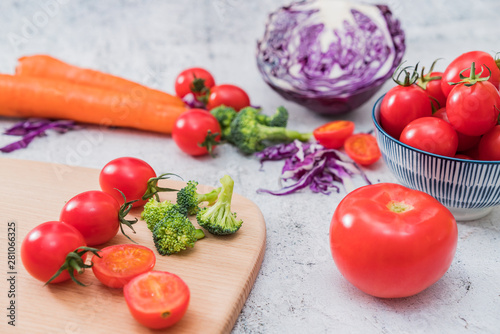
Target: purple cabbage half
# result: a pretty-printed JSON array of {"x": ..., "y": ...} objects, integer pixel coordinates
[{"x": 330, "y": 56}]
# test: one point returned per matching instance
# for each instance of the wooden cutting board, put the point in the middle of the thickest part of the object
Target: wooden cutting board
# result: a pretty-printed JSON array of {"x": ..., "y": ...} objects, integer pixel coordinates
[{"x": 220, "y": 271}]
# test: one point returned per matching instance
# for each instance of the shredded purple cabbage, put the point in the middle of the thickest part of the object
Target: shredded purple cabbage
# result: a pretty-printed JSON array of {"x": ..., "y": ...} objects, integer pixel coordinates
[
  {"x": 34, "y": 127},
  {"x": 192, "y": 102},
  {"x": 311, "y": 165}
]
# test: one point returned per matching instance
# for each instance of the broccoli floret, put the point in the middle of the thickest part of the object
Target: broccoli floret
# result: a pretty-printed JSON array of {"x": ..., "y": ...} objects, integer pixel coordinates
[
  {"x": 188, "y": 198},
  {"x": 154, "y": 211},
  {"x": 218, "y": 218},
  {"x": 250, "y": 136},
  {"x": 280, "y": 118},
  {"x": 175, "y": 232},
  {"x": 224, "y": 116}
]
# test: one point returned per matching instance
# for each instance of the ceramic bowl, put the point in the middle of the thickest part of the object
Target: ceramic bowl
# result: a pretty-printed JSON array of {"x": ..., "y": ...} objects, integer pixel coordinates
[{"x": 470, "y": 189}]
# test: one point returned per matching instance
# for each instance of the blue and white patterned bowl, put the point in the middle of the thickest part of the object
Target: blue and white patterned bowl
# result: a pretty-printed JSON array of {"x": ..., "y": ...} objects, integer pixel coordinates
[{"x": 470, "y": 189}]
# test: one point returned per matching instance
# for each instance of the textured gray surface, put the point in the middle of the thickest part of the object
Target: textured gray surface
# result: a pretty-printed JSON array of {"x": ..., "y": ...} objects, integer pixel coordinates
[{"x": 299, "y": 289}]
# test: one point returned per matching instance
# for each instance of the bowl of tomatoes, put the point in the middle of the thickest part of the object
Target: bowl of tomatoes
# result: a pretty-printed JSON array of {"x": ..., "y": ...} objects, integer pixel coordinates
[{"x": 447, "y": 145}]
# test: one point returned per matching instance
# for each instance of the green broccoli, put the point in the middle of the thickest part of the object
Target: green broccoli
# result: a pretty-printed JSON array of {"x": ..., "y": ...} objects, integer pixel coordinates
[
  {"x": 188, "y": 198},
  {"x": 224, "y": 116},
  {"x": 218, "y": 218},
  {"x": 175, "y": 232},
  {"x": 154, "y": 211},
  {"x": 250, "y": 136},
  {"x": 279, "y": 119}
]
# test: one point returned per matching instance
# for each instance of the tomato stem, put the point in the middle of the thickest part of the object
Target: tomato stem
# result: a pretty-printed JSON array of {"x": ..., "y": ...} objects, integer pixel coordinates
[
  {"x": 74, "y": 262},
  {"x": 209, "y": 143},
  {"x": 473, "y": 78},
  {"x": 424, "y": 79},
  {"x": 153, "y": 189},
  {"x": 399, "y": 207},
  {"x": 410, "y": 77}
]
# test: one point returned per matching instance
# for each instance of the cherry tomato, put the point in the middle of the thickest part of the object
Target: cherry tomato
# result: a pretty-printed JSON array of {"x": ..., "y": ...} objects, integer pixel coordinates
[
  {"x": 362, "y": 148},
  {"x": 465, "y": 142},
  {"x": 462, "y": 62},
  {"x": 194, "y": 80},
  {"x": 401, "y": 105},
  {"x": 334, "y": 134},
  {"x": 431, "y": 134},
  {"x": 431, "y": 84},
  {"x": 130, "y": 176},
  {"x": 96, "y": 214},
  {"x": 489, "y": 146},
  {"x": 157, "y": 299},
  {"x": 462, "y": 156},
  {"x": 391, "y": 241},
  {"x": 118, "y": 264},
  {"x": 473, "y": 109},
  {"x": 228, "y": 95},
  {"x": 196, "y": 132},
  {"x": 44, "y": 250}
]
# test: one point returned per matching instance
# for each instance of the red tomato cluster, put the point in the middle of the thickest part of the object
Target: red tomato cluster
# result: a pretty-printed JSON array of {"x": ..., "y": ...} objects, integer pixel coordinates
[
  {"x": 361, "y": 147},
  {"x": 56, "y": 251},
  {"x": 197, "y": 132},
  {"x": 453, "y": 113}
]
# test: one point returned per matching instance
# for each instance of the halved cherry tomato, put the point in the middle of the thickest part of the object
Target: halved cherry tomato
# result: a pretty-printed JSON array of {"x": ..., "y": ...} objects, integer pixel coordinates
[
  {"x": 362, "y": 148},
  {"x": 157, "y": 299},
  {"x": 118, "y": 264},
  {"x": 228, "y": 95},
  {"x": 333, "y": 134}
]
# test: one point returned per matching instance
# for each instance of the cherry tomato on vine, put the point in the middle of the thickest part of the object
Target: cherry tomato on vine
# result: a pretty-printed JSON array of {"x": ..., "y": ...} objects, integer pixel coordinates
[
  {"x": 489, "y": 146},
  {"x": 465, "y": 142},
  {"x": 157, "y": 299},
  {"x": 96, "y": 215},
  {"x": 391, "y": 241},
  {"x": 228, "y": 95},
  {"x": 119, "y": 264},
  {"x": 462, "y": 62},
  {"x": 362, "y": 148},
  {"x": 431, "y": 134},
  {"x": 49, "y": 246},
  {"x": 473, "y": 105},
  {"x": 333, "y": 134},
  {"x": 133, "y": 177},
  {"x": 196, "y": 132},
  {"x": 403, "y": 103},
  {"x": 194, "y": 80}
]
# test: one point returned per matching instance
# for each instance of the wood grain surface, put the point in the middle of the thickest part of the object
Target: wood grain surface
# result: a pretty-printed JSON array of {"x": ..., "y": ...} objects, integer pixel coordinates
[{"x": 220, "y": 271}]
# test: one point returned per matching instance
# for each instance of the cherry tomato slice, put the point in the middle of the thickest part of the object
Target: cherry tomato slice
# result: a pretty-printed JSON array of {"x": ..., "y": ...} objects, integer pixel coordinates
[
  {"x": 362, "y": 148},
  {"x": 334, "y": 134},
  {"x": 157, "y": 299},
  {"x": 119, "y": 264}
]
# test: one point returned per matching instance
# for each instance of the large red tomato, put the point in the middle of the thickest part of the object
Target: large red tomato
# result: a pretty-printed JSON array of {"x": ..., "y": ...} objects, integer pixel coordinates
[{"x": 391, "y": 241}]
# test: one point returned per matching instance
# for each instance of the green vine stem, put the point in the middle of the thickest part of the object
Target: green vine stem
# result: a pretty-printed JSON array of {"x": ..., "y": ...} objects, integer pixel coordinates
[{"x": 74, "y": 262}]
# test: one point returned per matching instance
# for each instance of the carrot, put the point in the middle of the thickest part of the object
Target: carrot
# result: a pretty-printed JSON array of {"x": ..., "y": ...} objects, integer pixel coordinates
[
  {"x": 45, "y": 66},
  {"x": 25, "y": 96}
]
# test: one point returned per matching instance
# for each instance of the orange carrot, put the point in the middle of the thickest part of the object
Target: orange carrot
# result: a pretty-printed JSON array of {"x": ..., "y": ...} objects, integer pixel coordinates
[
  {"x": 25, "y": 96},
  {"x": 45, "y": 66}
]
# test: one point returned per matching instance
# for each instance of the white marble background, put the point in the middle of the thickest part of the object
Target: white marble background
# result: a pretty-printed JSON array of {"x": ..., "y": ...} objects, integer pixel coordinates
[{"x": 298, "y": 290}]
